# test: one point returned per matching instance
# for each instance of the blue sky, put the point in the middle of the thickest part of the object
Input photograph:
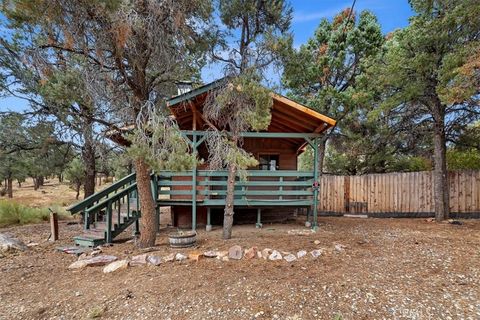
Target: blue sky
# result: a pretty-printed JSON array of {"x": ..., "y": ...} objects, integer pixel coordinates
[{"x": 392, "y": 14}]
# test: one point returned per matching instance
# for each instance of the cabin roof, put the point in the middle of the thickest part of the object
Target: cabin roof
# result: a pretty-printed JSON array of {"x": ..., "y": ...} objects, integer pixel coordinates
[{"x": 287, "y": 115}]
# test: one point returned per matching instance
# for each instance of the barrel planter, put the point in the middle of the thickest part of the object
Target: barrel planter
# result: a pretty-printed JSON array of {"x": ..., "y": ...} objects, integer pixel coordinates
[{"x": 182, "y": 239}]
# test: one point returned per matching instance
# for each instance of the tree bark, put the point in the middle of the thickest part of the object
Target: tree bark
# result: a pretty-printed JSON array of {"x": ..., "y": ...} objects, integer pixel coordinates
[
  {"x": 440, "y": 174},
  {"x": 148, "y": 232},
  {"x": 229, "y": 202},
  {"x": 10, "y": 187},
  {"x": 88, "y": 157}
]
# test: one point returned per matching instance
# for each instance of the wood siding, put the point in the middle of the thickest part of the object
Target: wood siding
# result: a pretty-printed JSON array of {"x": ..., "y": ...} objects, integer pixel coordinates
[{"x": 410, "y": 194}]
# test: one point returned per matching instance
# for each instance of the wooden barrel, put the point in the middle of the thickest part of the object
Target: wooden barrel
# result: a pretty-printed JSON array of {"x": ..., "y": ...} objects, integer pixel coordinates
[{"x": 182, "y": 239}]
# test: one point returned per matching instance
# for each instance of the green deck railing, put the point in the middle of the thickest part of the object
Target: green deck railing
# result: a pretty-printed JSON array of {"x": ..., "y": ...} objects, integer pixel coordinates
[
  {"x": 113, "y": 207},
  {"x": 260, "y": 188}
]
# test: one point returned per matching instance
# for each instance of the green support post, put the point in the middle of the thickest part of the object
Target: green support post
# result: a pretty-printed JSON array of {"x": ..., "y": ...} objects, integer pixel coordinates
[
  {"x": 281, "y": 187},
  {"x": 209, "y": 220},
  {"x": 119, "y": 213},
  {"x": 259, "y": 218},
  {"x": 154, "y": 186},
  {"x": 86, "y": 223},
  {"x": 315, "y": 190},
  {"x": 109, "y": 223},
  {"x": 128, "y": 206},
  {"x": 194, "y": 185}
]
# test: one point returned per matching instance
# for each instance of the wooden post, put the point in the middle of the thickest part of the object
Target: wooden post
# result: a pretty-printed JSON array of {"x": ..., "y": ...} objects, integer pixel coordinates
[
  {"x": 259, "y": 218},
  {"x": 194, "y": 185},
  {"x": 53, "y": 226},
  {"x": 108, "y": 230},
  {"x": 209, "y": 220}
]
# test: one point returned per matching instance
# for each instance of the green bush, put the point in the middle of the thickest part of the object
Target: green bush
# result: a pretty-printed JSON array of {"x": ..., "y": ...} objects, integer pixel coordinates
[{"x": 12, "y": 213}]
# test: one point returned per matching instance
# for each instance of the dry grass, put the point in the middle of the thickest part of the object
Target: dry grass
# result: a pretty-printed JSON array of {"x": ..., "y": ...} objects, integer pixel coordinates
[
  {"x": 51, "y": 193},
  {"x": 31, "y": 206}
]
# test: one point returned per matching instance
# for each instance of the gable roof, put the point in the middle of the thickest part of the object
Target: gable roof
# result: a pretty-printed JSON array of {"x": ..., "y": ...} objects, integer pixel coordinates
[{"x": 287, "y": 115}]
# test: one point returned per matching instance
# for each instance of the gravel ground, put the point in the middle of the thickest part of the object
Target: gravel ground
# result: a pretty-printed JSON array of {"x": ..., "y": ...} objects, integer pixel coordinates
[{"x": 389, "y": 269}]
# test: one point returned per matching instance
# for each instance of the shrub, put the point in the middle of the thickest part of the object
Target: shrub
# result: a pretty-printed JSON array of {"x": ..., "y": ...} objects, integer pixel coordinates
[{"x": 12, "y": 213}]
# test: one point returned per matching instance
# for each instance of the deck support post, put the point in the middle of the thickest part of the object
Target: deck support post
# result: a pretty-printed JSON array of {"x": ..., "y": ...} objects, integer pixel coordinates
[
  {"x": 315, "y": 186},
  {"x": 194, "y": 184},
  {"x": 108, "y": 232},
  {"x": 308, "y": 224},
  {"x": 209, "y": 220},
  {"x": 86, "y": 222},
  {"x": 154, "y": 182},
  {"x": 259, "y": 218}
]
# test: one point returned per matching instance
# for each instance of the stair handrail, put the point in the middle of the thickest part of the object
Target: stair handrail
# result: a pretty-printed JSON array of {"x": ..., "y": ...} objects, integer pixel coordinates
[
  {"x": 89, "y": 201},
  {"x": 102, "y": 204}
]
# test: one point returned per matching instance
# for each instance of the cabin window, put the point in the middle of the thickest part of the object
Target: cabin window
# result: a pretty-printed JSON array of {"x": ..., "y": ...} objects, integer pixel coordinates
[{"x": 268, "y": 162}]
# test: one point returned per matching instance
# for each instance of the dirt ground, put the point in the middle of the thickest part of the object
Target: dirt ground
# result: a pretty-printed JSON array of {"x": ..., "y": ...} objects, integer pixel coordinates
[{"x": 390, "y": 269}]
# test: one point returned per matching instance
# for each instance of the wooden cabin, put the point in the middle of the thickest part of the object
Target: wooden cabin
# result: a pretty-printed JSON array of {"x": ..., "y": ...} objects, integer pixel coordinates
[{"x": 272, "y": 191}]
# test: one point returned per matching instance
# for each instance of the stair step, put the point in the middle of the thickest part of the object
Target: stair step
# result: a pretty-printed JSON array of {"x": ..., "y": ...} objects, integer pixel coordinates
[{"x": 88, "y": 240}]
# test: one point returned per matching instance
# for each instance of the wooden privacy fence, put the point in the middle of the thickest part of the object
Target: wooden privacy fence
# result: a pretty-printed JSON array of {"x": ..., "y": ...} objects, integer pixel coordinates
[{"x": 398, "y": 194}]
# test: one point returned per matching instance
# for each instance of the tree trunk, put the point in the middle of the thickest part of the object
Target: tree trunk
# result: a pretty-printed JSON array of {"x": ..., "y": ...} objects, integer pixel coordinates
[
  {"x": 35, "y": 183},
  {"x": 322, "y": 143},
  {"x": 10, "y": 187},
  {"x": 40, "y": 181},
  {"x": 78, "y": 191},
  {"x": 88, "y": 157},
  {"x": 148, "y": 230},
  {"x": 321, "y": 154},
  {"x": 440, "y": 174},
  {"x": 229, "y": 202}
]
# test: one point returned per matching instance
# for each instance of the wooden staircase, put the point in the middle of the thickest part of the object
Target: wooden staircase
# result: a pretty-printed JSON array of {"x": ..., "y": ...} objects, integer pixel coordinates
[
  {"x": 109, "y": 212},
  {"x": 97, "y": 234}
]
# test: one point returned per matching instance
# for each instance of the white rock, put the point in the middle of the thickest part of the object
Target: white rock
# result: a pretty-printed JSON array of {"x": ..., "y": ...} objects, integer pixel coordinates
[
  {"x": 116, "y": 265},
  {"x": 235, "y": 252},
  {"x": 221, "y": 255},
  {"x": 154, "y": 260},
  {"x": 290, "y": 257},
  {"x": 78, "y": 264},
  {"x": 210, "y": 254},
  {"x": 340, "y": 247},
  {"x": 301, "y": 254},
  {"x": 316, "y": 242},
  {"x": 180, "y": 257},
  {"x": 266, "y": 253},
  {"x": 32, "y": 244},
  {"x": 139, "y": 260},
  {"x": 316, "y": 253},
  {"x": 95, "y": 252},
  {"x": 275, "y": 255},
  {"x": 170, "y": 257}
]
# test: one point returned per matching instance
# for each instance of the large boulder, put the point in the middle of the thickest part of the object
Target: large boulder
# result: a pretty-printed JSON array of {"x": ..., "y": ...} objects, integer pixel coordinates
[{"x": 8, "y": 243}]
